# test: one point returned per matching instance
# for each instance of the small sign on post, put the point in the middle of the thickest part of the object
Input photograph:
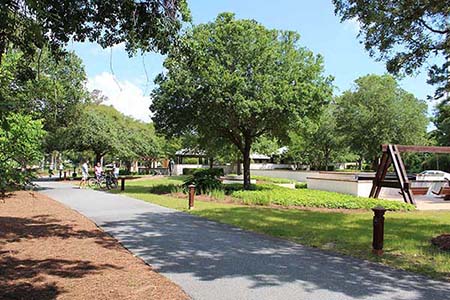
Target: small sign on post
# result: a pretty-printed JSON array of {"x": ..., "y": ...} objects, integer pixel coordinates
[
  {"x": 191, "y": 196},
  {"x": 378, "y": 230}
]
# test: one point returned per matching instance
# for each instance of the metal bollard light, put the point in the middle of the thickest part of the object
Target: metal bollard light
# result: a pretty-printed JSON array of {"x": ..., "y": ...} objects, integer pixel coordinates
[
  {"x": 122, "y": 184},
  {"x": 191, "y": 196},
  {"x": 378, "y": 230}
]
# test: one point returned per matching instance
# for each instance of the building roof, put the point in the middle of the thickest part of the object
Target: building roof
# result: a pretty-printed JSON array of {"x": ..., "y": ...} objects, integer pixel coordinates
[{"x": 190, "y": 152}]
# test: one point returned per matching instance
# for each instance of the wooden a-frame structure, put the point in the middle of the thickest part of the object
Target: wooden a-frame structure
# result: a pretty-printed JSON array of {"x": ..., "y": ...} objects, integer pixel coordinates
[{"x": 391, "y": 155}]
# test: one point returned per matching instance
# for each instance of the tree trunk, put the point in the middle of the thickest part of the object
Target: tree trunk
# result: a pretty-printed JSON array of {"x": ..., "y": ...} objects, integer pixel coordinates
[
  {"x": 238, "y": 165},
  {"x": 98, "y": 157},
  {"x": 375, "y": 163},
  {"x": 246, "y": 154},
  {"x": 128, "y": 166},
  {"x": 211, "y": 162},
  {"x": 360, "y": 164}
]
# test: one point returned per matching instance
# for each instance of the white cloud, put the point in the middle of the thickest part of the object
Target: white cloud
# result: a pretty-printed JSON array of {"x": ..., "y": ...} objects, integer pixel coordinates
[{"x": 125, "y": 96}]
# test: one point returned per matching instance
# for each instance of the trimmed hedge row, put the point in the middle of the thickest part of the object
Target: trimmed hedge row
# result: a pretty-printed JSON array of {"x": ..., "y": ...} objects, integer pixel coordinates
[
  {"x": 271, "y": 179},
  {"x": 315, "y": 198},
  {"x": 191, "y": 171}
]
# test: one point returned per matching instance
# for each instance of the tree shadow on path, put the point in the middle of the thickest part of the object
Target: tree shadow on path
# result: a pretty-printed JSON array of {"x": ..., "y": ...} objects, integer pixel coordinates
[{"x": 178, "y": 243}]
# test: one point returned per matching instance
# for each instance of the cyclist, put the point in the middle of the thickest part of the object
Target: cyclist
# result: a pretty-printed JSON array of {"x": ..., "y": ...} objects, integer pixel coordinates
[{"x": 98, "y": 170}]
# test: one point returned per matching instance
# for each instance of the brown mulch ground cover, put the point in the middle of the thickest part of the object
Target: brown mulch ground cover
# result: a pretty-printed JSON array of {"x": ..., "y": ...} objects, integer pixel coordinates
[
  {"x": 442, "y": 241},
  {"x": 48, "y": 251}
]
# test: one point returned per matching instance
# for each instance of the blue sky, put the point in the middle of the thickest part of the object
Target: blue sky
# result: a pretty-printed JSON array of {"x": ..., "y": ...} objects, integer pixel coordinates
[{"x": 127, "y": 86}]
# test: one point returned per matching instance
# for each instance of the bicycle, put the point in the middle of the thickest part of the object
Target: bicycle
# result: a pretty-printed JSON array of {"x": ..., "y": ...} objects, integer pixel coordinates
[
  {"x": 111, "y": 181},
  {"x": 97, "y": 182}
]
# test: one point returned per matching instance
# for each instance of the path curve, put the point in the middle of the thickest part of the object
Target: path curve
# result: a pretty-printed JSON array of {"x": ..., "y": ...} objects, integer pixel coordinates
[{"x": 215, "y": 261}]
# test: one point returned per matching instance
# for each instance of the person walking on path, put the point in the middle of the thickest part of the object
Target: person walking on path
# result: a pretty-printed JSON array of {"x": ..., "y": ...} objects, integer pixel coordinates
[
  {"x": 61, "y": 169},
  {"x": 84, "y": 174}
]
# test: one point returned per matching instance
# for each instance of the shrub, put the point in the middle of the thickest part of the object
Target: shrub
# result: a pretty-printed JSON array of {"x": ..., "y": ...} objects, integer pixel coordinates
[
  {"x": 191, "y": 171},
  {"x": 124, "y": 172},
  {"x": 233, "y": 187},
  {"x": 301, "y": 185},
  {"x": 314, "y": 198},
  {"x": 205, "y": 180},
  {"x": 217, "y": 194},
  {"x": 166, "y": 189},
  {"x": 272, "y": 179}
]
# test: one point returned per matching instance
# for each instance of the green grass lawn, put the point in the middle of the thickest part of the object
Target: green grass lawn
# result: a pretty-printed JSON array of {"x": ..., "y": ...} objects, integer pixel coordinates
[{"x": 407, "y": 234}]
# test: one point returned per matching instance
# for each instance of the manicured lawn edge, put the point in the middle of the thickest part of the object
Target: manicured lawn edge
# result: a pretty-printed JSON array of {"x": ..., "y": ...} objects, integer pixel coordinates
[{"x": 407, "y": 234}]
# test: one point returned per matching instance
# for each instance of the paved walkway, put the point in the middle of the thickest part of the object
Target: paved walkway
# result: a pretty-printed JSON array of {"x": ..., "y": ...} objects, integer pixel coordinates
[{"x": 213, "y": 261}]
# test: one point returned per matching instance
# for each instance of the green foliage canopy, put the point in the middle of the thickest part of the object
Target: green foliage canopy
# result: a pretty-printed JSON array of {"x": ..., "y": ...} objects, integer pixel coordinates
[
  {"x": 405, "y": 33},
  {"x": 148, "y": 25},
  {"x": 236, "y": 80},
  {"x": 53, "y": 95},
  {"x": 102, "y": 129},
  {"x": 20, "y": 145},
  {"x": 317, "y": 142},
  {"x": 378, "y": 111}
]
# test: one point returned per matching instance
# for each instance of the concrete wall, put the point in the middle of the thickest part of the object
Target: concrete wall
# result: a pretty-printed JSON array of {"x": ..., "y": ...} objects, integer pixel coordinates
[
  {"x": 178, "y": 168},
  {"x": 345, "y": 186},
  {"x": 270, "y": 166}
]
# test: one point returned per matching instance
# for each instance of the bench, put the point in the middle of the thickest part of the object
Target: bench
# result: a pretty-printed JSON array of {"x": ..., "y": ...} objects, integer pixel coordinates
[
  {"x": 419, "y": 190},
  {"x": 443, "y": 191}
]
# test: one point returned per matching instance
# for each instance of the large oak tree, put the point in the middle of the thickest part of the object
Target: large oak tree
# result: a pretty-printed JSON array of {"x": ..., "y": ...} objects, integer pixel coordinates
[
  {"x": 377, "y": 111},
  {"x": 237, "y": 80}
]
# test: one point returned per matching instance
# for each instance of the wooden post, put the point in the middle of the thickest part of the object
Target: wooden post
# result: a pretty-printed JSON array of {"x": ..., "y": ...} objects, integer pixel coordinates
[
  {"x": 191, "y": 196},
  {"x": 122, "y": 184},
  {"x": 378, "y": 230}
]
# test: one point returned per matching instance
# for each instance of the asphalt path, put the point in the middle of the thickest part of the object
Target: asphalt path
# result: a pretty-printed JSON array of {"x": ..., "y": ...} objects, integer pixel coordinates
[{"x": 210, "y": 260}]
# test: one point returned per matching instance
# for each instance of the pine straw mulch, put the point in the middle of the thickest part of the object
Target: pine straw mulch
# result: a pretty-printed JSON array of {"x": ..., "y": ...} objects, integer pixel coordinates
[
  {"x": 442, "y": 241},
  {"x": 48, "y": 251}
]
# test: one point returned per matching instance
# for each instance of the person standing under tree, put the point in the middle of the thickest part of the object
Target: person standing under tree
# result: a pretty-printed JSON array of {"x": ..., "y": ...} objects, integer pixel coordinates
[
  {"x": 171, "y": 166},
  {"x": 84, "y": 174},
  {"x": 116, "y": 170}
]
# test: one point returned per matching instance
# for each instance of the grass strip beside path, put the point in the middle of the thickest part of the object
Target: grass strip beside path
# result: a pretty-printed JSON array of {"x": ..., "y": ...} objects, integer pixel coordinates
[{"x": 407, "y": 234}]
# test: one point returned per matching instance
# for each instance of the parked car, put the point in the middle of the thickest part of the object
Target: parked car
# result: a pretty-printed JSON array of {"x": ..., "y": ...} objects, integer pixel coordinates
[{"x": 433, "y": 175}]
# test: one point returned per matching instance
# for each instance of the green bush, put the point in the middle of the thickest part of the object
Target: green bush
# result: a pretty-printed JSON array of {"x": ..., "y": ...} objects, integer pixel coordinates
[
  {"x": 301, "y": 185},
  {"x": 314, "y": 198},
  {"x": 205, "y": 180},
  {"x": 272, "y": 179},
  {"x": 166, "y": 189},
  {"x": 188, "y": 171},
  {"x": 125, "y": 172},
  {"x": 233, "y": 187},
  {"x": 217, "y": 194}
]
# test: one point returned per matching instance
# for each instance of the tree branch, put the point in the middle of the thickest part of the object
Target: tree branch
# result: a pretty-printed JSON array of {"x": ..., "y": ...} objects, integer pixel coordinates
[{"x": 433, "y": 29}]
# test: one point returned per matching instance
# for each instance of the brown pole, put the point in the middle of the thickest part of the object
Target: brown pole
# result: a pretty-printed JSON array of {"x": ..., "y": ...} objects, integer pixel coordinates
[
  {"x": 191, "y": 196},
  {"x": 378, "y": 230},
  {"x": 65, "y": 175},
  {"x": 122, "y": 184}
]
